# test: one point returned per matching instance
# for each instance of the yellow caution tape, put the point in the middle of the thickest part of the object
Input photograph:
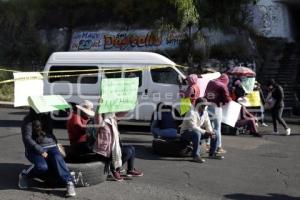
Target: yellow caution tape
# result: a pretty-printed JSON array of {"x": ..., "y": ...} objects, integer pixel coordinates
[{"x": 106, "y": 70}]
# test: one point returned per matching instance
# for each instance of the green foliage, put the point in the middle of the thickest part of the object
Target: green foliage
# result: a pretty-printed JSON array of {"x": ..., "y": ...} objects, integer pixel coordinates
[
  {"x": 187, "y": 14},
  {"x": 20, "y": 20},
  {"x": 7, "y": 89},
  {"x": 223, "y": 13},
  {"x": 19, "y": 38}
]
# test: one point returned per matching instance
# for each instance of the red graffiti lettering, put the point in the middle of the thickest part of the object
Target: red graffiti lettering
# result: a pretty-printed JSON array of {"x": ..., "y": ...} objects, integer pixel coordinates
[{"x": 148, "y": 40}]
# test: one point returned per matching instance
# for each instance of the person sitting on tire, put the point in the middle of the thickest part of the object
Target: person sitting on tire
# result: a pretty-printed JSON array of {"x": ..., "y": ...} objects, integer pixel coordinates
[
  {"x": 195, "y": 127},
  {"x": 42, "y": 151},
  {"x": 164, "y": 123},
  {"x": 77, "y": 128},
  {"x": 108, "y": 146},
  {"x": 249, "y": 121}
]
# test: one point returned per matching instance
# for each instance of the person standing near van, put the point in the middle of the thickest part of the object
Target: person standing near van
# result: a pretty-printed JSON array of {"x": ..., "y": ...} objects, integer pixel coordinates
[
  {"x": 217, "y": 93},
  {"x": 42, "y": 151},
  {"x": 276, "y": 92},
  {"x": 193, "y": 90},
  {"x": 77, "y": 128}
]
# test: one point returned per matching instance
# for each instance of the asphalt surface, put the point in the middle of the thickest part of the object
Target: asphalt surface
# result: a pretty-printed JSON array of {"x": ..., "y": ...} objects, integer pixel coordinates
[{"x": 253, "y": 168}]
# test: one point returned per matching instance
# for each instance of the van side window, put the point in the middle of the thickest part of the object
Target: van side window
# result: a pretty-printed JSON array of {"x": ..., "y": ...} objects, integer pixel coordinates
[
  {"x": 135, "y": 74},
  {"x": 164, "y": 75},
  {"x": 73, "y": 74},
  {"x": 115, "y": 73}
]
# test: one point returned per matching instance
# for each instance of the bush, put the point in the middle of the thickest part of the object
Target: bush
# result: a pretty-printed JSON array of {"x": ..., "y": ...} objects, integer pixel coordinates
[{"x": 6, "y": 89}]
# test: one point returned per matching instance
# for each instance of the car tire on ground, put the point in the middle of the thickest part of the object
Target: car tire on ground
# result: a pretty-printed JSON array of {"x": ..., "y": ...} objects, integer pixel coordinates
[
  {"x": 86, "y": 169},
  {"x": 228, "y": 130},
  {"x": 171, "y": 148},
  {"x": 87, "y": 174}
]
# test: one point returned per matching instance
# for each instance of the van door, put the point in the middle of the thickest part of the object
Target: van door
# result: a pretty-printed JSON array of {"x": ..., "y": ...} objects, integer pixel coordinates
[
  {"x": 162, "y": 86},
  {"x": 139, "y": 112}
]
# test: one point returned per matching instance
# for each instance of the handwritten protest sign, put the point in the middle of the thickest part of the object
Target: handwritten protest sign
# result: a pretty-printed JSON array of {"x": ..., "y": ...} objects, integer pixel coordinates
[
  {"x": 251, "y": 100},
  {"x": 248, "y": 84},
  {"x": 118, "y": 94},
  {"x": 47, "y": 103},
  {"x": 202, "y": 82},
  {"x": 185, "y": 105},
  {"x": 231, "y": 113},
  {"x": 27, "y": 84}
]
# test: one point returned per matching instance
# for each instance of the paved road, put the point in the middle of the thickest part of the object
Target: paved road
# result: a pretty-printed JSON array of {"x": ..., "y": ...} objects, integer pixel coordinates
[{"x": 254, "y": 168}]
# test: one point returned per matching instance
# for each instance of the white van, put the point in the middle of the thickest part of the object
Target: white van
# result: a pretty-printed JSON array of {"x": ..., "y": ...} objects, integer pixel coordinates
[{"x": 158, "y": 79}]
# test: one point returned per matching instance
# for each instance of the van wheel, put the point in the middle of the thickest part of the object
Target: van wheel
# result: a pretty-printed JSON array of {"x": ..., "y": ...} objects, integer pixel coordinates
[{"x": 171, "y": 148}]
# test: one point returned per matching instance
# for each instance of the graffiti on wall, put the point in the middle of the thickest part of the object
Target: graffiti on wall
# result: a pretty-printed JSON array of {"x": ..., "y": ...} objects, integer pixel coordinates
[
  {"x": 141, "y": 40},
  {"x": 267, "y": 18}
]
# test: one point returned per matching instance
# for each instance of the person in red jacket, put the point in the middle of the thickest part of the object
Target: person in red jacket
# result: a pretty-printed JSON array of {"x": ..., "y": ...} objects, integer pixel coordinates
[
  {"x": 77, "y": 127},
  {"x": 217, "y": 93}
]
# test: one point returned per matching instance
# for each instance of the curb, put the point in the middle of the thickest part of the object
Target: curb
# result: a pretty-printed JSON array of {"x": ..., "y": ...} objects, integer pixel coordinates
[{"x": 6, "y": 104}]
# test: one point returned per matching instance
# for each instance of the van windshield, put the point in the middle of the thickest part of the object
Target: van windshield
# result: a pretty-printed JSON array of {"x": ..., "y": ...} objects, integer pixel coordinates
[
  {"x": 73, "y": 74},
  {"x": 164, "y": 75}
]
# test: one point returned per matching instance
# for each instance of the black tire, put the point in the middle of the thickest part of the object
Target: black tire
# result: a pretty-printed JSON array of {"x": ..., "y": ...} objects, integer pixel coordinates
[
  {"x": 86, "y": 169},
  {"x": 228, "y": 130},
  {"x": 87, "y": 174},
  {"x": 171, "y": 148}
]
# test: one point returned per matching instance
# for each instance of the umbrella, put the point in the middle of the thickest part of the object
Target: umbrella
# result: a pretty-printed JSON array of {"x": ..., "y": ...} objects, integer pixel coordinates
[{"x": 241, "y": 71}]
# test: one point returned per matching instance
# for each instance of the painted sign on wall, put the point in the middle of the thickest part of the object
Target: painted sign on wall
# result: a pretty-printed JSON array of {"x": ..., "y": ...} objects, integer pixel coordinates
[{"x": 136, "y": 40}]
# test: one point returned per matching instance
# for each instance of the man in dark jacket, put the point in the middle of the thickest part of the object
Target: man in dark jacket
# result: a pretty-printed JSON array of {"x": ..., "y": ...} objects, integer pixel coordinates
[
  {"x": 42, "y": 151},
  {"x": 277, "y": 109}
]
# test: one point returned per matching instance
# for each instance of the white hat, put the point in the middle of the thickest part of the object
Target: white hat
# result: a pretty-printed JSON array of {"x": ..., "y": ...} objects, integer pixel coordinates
[{"x": 87, "y": 107}]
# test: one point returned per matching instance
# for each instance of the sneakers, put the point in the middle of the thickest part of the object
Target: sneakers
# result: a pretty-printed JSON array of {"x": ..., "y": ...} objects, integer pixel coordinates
[
  {"x": 220, "y": 150},
  {"x": 23, "y": 182},
  {"x": 198, "y": 160},
  {"x": 116, "y": 175},
  {"x": 70, "y": 190},
  {"x": 216, "y": 156},
  {"x": 288, "y": 131},
  {"x": 275, "y": 133},
  {"x": 264, "y": 125},
  {"x": 135, "y": 173}
]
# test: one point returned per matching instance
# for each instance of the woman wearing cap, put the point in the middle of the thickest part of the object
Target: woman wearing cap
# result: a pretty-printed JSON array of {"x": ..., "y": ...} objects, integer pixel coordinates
[{"x": 77, "y": 128}]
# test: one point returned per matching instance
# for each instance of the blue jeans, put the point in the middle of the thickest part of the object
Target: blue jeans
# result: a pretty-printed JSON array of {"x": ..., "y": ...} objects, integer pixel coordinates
[
  {"x": 165, "y": 133},
  {"x": 196, "y": 137},
  {"x": 215, "y": 114},
  {"x": 53, "y": 163},
  {"x": 128, "y": 155}
]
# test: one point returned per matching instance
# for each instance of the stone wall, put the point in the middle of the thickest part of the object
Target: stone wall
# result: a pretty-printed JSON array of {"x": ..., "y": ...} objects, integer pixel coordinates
[{"x": 271, "y": 19}]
